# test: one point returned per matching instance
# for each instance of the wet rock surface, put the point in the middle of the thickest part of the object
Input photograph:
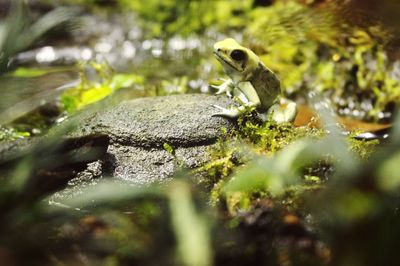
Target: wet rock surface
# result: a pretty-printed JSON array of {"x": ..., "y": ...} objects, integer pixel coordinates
[{"x": 139, "y": 128}]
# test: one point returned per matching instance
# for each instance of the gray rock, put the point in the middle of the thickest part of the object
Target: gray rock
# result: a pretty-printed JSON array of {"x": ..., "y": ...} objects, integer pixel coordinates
[{"x": 139, "y": 128}]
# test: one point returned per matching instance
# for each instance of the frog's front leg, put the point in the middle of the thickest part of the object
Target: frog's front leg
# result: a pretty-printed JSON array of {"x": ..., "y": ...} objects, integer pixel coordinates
[
  {"x": 252, "y": 101},
  {"x": 227, "y": 86}
]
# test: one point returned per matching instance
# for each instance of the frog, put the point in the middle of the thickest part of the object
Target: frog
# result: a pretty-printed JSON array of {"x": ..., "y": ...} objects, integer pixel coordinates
[{"x": 253, "y": 84}]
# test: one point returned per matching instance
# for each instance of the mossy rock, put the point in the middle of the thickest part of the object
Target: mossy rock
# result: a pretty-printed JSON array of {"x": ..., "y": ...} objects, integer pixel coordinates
[{"x": 150, "y": 138}]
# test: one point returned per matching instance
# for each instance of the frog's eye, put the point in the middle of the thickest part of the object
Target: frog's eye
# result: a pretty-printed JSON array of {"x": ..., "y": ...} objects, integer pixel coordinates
[{"x": 238, "y": 55}]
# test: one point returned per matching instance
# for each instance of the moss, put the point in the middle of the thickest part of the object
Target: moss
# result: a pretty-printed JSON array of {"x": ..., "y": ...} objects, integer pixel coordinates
[
  {"x": 225, "y": 158},
  {"x": 9, "y": 133},
  {"x": 168, "y": 148},
  {"x": 270, "y": 136},
  {"x": 235, "y": 149},
  {"x": 363, "y": 148}
]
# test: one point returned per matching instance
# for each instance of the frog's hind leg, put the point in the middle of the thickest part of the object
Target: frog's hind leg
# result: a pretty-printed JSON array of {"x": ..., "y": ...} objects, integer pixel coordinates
[
  {"x": 232, "y": 112},
  {"x": 282, "y": 112},
  {"x": 250, "y": 93}
]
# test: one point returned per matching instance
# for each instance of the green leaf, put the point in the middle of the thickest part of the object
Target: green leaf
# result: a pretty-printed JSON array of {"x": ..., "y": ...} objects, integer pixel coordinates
[
  {"x": 192, "y": 229},
  {"x": 119, "y": 81}
]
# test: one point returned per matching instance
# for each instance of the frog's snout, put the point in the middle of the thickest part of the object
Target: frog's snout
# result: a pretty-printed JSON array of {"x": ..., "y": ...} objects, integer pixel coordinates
[
  {"x": 217, "y": 51},
  {"x": 217, "y": 48}
]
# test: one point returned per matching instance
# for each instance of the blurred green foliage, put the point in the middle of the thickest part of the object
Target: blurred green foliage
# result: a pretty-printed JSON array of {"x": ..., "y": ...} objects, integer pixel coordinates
[
  {"x": 105, "y": 82},
  {"x": 24, "y": 72},
  {"x": 9, "y": 133},
  {"x": 166, "y": 18},
  {"x": 18, "y": 32},
  {"x": 314, "y": 50}
]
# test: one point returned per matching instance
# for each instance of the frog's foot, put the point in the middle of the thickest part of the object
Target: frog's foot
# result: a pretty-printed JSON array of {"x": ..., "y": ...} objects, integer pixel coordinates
[
  {"x": 232, "y": 112},
  {"x": 227, "y": 86},
  {"x": 285, "y": 111}
]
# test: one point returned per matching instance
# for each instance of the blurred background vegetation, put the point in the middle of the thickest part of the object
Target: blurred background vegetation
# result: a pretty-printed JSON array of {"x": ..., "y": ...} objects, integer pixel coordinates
[{"x": 273, "y": 194}]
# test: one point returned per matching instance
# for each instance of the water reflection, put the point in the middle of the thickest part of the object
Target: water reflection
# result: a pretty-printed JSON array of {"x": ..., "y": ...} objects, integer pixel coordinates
[{"x": 46, "y": 54}]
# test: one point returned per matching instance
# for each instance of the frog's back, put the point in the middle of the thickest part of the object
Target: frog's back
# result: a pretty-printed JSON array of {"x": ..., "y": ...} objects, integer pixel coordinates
[{"x": 267, "y": 85}]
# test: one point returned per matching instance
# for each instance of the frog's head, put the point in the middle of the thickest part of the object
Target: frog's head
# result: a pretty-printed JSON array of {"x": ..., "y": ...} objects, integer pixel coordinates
[{"x": 236, "y": 59}]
